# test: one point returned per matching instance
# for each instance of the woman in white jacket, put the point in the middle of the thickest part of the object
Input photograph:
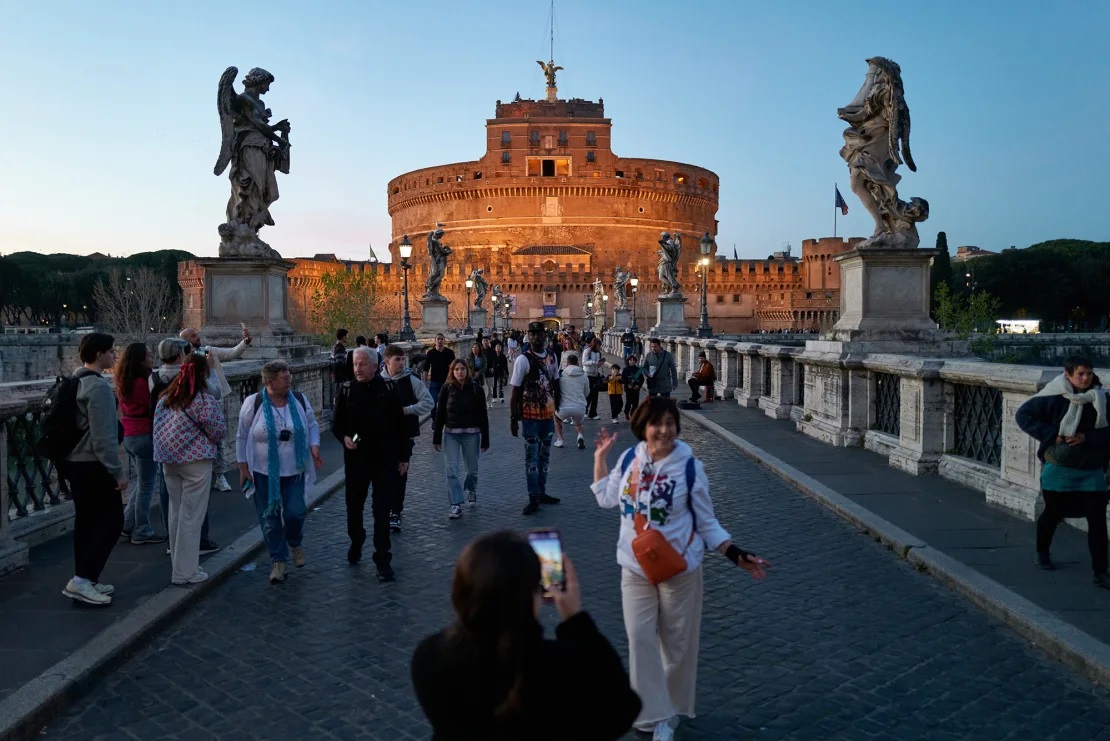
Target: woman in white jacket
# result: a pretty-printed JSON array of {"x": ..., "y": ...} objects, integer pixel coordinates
[
  {"x": 574, "y": 387},
  {"x": 663, "y": 621}
]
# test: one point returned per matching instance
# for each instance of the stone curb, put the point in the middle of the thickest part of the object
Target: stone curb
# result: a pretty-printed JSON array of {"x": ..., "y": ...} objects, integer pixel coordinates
[
  {"x": 1062, "y": 641},
  {"x": 25, "y": 711}
]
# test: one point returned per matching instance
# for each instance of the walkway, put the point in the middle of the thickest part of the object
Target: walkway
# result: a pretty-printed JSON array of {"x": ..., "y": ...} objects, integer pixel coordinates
[{"x": 844, "y": 640}]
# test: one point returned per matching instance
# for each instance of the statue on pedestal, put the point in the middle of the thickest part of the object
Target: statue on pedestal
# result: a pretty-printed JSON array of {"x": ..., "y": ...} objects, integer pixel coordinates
[
  {"x": 875, "y": 143},
  {"x": 255, "y": 150},
  {"x": 480, "y": 287},
  {"x": 438, "y": 253},
  {"x": 549, "y": 70},
  {"x": 620, "y": 284},
  {"x": 498, "y": 297},
  {"x": 599, "y": 298},
  {"x": 587, "y": 313},
  {"x": 671, "y": 250}
]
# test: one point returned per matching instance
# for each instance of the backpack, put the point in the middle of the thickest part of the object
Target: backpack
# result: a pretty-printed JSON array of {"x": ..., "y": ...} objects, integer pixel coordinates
[
  {"x": 539, "y": 387},
  {"x": 296, "y": 395},
  {"x": 691, "y": 474},
  {"x": 58, "y": 424},
  {"x": 158, "y": 386}
]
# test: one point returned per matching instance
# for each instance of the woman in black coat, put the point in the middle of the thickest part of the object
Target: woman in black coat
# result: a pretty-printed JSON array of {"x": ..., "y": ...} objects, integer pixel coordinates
[
  {"x": 491, "y": 675},
  {"x": 1068, "y": 418},
  {"x": 460, "y": 429}
]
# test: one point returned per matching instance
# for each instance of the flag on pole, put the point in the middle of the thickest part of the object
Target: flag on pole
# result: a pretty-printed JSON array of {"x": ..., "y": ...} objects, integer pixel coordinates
[
  {"x": 840, "y": 202},
  {"x": 734, "y": 255}
]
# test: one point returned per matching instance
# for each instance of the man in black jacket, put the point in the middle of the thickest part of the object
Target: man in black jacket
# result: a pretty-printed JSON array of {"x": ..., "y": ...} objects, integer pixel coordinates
[{"x": 367, "y": 416}]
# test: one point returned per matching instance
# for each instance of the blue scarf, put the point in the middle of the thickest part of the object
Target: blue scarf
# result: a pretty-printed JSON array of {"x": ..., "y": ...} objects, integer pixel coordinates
[{"x": 273, "y": 460}]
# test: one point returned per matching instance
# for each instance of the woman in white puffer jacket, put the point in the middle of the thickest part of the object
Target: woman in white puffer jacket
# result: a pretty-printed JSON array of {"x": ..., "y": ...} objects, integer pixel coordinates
[{"x": 574, "y": 387}]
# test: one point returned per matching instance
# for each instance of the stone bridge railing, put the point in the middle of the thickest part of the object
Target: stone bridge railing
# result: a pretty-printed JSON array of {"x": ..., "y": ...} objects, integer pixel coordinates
[
  {"x": 34, "y": 507},
  {"x": 947, "y": 417}
]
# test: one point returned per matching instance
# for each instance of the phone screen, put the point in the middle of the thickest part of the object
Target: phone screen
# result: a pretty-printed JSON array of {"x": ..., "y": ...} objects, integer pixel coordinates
[{"x": 549, "y": 547}]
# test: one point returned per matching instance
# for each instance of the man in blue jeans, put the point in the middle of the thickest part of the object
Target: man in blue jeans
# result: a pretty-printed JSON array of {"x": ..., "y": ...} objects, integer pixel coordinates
[{"x": 534, "y": 399}]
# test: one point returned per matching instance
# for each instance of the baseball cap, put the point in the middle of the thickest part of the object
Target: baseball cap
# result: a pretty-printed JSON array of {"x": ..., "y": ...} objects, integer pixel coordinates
[
  {"x": 536, "y": 327},
  {"x": 170, "y": 348}
]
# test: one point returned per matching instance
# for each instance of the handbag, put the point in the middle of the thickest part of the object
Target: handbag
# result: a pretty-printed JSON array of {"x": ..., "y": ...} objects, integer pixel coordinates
[
  {"x": 1081, "y": 456},
  {"x": 657, "y": 557}
]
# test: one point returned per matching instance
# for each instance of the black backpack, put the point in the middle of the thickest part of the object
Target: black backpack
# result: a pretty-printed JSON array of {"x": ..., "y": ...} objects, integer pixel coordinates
[
  {"x": 58, "y": 424},
  {"x": 157, "y": 387}
]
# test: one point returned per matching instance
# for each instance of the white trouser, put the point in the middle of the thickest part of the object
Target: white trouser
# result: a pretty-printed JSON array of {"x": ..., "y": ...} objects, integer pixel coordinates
[
  {"x": 189, "y": 485},
  {"x": 663, "y": 624}
]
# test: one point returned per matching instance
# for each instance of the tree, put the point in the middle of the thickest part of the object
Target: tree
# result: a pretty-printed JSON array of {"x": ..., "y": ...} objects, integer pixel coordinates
[
  {"x": 352, "y": 300},
  {"x": 941, "y": 271},
  {"x": 965, "y": 315},
  {"x": 137, "y": 304}
]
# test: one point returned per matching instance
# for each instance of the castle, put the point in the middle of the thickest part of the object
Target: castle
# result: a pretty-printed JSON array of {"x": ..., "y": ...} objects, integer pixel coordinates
[{"x": 549, "y": 208}]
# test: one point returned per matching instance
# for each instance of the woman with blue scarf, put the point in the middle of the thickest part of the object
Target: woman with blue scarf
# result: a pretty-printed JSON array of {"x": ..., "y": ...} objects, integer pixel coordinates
[{"x": 277, "y": 435}]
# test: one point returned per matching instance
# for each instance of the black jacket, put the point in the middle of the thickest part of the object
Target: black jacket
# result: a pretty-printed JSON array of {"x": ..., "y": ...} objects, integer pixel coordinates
[
  {"x": 461, "y": 408},
  {"x": 491, "y": 361},
  {"x": 1040, "y": 417},
  {"x": 577, "y": 689},
  {"x": 501, "y": 365},
  {"x": 375, "y": 415}
]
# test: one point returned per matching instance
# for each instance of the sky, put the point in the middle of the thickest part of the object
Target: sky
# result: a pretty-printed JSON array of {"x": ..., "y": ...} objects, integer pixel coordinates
[{"x": 108, "y": 126}]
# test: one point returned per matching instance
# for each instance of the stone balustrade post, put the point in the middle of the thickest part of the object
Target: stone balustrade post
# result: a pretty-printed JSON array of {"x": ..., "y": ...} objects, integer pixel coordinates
[
  {"x": 728, "y": 365},
  {"x": 777, "y": 401},
  {"x": 1018, "y": 487},
  {"x": 750, "y": 381}
]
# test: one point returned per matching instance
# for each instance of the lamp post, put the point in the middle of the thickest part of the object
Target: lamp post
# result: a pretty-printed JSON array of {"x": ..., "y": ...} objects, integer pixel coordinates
[
  {"x": 605, "y": 311},
  {"x": 635, "y": 283},
  {"x": 706, "y": 245},
  {"x": 469, "y": 285},
  {"x": 405, "y": 250},
  {"x": 496, "y": 307},
  {"x": 506, "y": 306}
]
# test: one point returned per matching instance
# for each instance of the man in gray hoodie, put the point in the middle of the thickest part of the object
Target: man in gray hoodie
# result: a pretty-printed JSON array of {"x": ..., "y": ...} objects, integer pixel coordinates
[
  {"x": 95, "y": 473},
  {"x": 659, "y": 367},
  {"x": 417, "y": 401}
]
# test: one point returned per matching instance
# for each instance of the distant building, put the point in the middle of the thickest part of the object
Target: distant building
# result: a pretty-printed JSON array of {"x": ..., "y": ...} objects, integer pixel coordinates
[{"x": 970, "y": 252}]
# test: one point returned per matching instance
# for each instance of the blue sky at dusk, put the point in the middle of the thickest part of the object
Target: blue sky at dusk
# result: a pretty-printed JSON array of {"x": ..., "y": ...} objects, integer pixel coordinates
[{"x": 109, "y": 125}]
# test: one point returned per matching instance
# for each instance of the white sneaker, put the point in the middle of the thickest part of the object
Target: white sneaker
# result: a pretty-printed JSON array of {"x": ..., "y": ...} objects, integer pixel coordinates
[
  {"x": 472, "y": 498},
  {"x": 86, "y": 593},
  {"x": 221, "y": 483},
  {"x": 455, "y": 513},
  {"x": 105, "y": 589},
  {"x": 558, "y": 443},
  {"x": 197, "y": 578},
  {"x": 614, "y": 420},
  {"x": 664, "y": 731}
]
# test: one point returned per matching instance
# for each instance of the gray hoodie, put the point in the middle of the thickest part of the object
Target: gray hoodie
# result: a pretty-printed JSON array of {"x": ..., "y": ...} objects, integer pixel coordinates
[
  {"x": 96, "y": 416},
  {"x": 662, "y": 375},
  {"x": 574, "y": 386}
]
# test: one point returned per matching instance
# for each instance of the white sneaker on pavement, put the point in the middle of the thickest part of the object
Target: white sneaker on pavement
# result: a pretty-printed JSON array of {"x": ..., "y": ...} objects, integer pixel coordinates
[
  {"x": 107, "y": 589},
  {"x": 197, "y": 578},
  {"x": 86, "y": 593},
  {"x": 664, "y": 730},
  {"x": 455, "y": 513},
  {"x": 558, "y": 443},
  {"x": 614, "y": 420},
  {"x": 221, "y": 483}
]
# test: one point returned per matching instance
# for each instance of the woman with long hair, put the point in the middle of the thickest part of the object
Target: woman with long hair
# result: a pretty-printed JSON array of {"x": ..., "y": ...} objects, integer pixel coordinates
[
  {"x": 492, "y": 675},
  {"x": 591, "y": 363},
  {"x": 460, "y": 430},
  {"x": 662, "y": 492},
  {"x": 132, "y": 380},
  {"x": 188, "y": 425},
  {"x": 477, "y": 363}
]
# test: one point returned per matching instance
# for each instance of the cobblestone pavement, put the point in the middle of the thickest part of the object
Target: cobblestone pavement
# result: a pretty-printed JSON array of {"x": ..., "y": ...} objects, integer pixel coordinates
[{"x": 843, "y": 640}]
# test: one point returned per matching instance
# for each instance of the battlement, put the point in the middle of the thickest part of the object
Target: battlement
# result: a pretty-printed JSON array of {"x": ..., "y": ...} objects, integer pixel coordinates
[{"x": 573, "y": 108}]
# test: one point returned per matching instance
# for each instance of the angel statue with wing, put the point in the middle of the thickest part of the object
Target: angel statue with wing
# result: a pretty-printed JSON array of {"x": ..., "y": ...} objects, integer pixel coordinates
[
  {"x": 438, "y": 253},
  {"x": 480, "y": 286},
  {"x": 255, "y": 150},
  {"x": 549, "y": 70},
  {"x": 620, "y": 284},
  {"x": 668, "y": 262}
]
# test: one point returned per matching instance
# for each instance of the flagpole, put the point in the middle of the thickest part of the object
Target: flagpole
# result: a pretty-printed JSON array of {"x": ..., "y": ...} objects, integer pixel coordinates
[{"x": 836, "y": 189}]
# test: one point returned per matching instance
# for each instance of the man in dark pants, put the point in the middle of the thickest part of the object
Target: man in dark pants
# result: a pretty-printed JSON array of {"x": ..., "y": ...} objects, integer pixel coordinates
[
  {"x": 436, "y": 363},
  {"x": 415, "y": 402},
  {"x": 534, "y": 399},
  {"x": 366, "y": 418}
]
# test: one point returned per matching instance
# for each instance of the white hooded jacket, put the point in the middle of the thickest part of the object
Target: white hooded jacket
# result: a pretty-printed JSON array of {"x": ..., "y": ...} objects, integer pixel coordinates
[
  {"x": 662, "y": 497},
  {"x": 574, "y": 387}
]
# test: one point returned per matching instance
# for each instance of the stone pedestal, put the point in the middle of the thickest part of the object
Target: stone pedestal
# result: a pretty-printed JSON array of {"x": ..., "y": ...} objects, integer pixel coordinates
[
  {"x": 622, "y": 319},
  {"x": 244, "y": 290},
  {"x": 433, "y": 315},
  {"x": 670, "y": 317},
  {"x": 478, "y": 318}
]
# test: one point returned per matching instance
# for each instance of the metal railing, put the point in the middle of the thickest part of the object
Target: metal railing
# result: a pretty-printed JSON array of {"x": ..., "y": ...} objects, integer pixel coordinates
[
  {"x": 888, "y": 404},
  {"x": 978, "y": 423},
  {"x": 32, "y": 481}
]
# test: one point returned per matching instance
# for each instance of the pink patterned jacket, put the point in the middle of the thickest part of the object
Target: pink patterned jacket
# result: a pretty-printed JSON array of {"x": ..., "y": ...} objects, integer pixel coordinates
[{"x": 190, "y": 434}]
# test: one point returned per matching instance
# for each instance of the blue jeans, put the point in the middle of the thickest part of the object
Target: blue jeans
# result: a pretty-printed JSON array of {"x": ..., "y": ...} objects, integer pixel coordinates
[
  {"x": 537, "y": 453},
  {"x": 285, "y": 530},
  {"x": 433, "y": 389},
  {"x": 164, "y": 503},
  {"x": 462, "y": 445},
  {"x": 628, "y": 351},
  {"x": 142, "y": 470}
]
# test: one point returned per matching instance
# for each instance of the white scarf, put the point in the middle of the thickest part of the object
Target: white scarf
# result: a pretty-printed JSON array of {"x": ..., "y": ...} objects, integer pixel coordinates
[{"x": 1060, "y": 386}]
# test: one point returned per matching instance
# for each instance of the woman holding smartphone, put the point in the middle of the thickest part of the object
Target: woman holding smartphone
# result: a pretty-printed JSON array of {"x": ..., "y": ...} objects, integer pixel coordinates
[
  {"x": 460, "y": 430},
  {"x": 492, "y": 675},
  {"x": 659, "y": 485}
]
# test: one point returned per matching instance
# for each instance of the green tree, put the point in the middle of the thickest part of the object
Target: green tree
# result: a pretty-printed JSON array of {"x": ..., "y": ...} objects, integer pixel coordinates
[
  {"x": 941, "y": 271},
  {"x": 350, "y": 299},
  {"x": 973, "y": 313}
]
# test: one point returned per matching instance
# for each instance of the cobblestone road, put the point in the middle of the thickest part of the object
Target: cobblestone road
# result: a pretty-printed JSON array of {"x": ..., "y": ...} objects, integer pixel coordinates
[{"x": 844, "y": 640}]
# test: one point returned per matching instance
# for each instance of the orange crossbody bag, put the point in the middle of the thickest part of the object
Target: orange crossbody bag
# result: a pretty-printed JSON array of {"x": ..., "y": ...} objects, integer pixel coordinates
[{"x": 656, "y": 556}]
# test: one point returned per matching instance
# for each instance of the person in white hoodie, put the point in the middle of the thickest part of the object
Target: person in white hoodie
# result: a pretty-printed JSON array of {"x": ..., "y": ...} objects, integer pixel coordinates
[
  {"x": 574, "y": 386},
  {"x": 663, "y": 620}
]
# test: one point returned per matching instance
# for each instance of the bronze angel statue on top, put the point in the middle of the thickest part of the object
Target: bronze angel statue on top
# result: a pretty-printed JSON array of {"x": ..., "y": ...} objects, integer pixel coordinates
[
  {"x": 875, "y": 143},
  {"x": 549, "y": 70},
  {"x": 255, "y": 151}
]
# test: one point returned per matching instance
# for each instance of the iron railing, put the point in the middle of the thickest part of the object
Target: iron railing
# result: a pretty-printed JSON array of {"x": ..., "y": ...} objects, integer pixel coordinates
[
  {"x": 978, "y": 417},
  {"x": 888, "y": 404},
  {"x": 32, "y": 481},
  {"x": 247, "y": 386}
]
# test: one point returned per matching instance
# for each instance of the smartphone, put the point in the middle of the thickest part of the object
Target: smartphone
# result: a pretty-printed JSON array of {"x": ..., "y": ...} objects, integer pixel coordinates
[
  {"x": 355, "y": 439},
  {"x": 549, "y": 548}
]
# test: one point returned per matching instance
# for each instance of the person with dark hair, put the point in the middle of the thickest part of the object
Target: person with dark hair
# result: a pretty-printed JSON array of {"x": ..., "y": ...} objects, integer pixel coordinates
[
  {"x": 339, "y": 356},
  {"x": 492, "y": 675},
  {"x": 660, "y": 369},
  {"x": 188, "y": 425},
  {"x": 437, "y": 361},
  {"x": 1068, "y": 419},
  {"x": 667, "y": 524},
  {"x": 704, "y": 376},
  {"x": 632, "y": 376},
  {"x": 591, "y": 364},
  {"x": 277, "y": 446},
  {"x": 500, "y": 373},
  {"x": 533, "y": 401},
  {"x": 416, "y": 402},
  {"x": 95, "y": 473},
  {"x": 132, "y": 379},
  {"x": 381, "y": 342},
  {"x": 461, "y": 431}
]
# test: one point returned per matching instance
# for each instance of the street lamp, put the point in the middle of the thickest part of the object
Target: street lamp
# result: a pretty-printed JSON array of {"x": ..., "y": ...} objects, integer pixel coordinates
[
  {"x": 706, "y": 245},
  {"x": 469, "y": 285},
  {"x": 635, "y": 283},
  {"x": 605, "y": 311},
  {"x": 496, "y": 301},
  {"x": 405, "y": 250},
  {"x": 507, "y": 307}
]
